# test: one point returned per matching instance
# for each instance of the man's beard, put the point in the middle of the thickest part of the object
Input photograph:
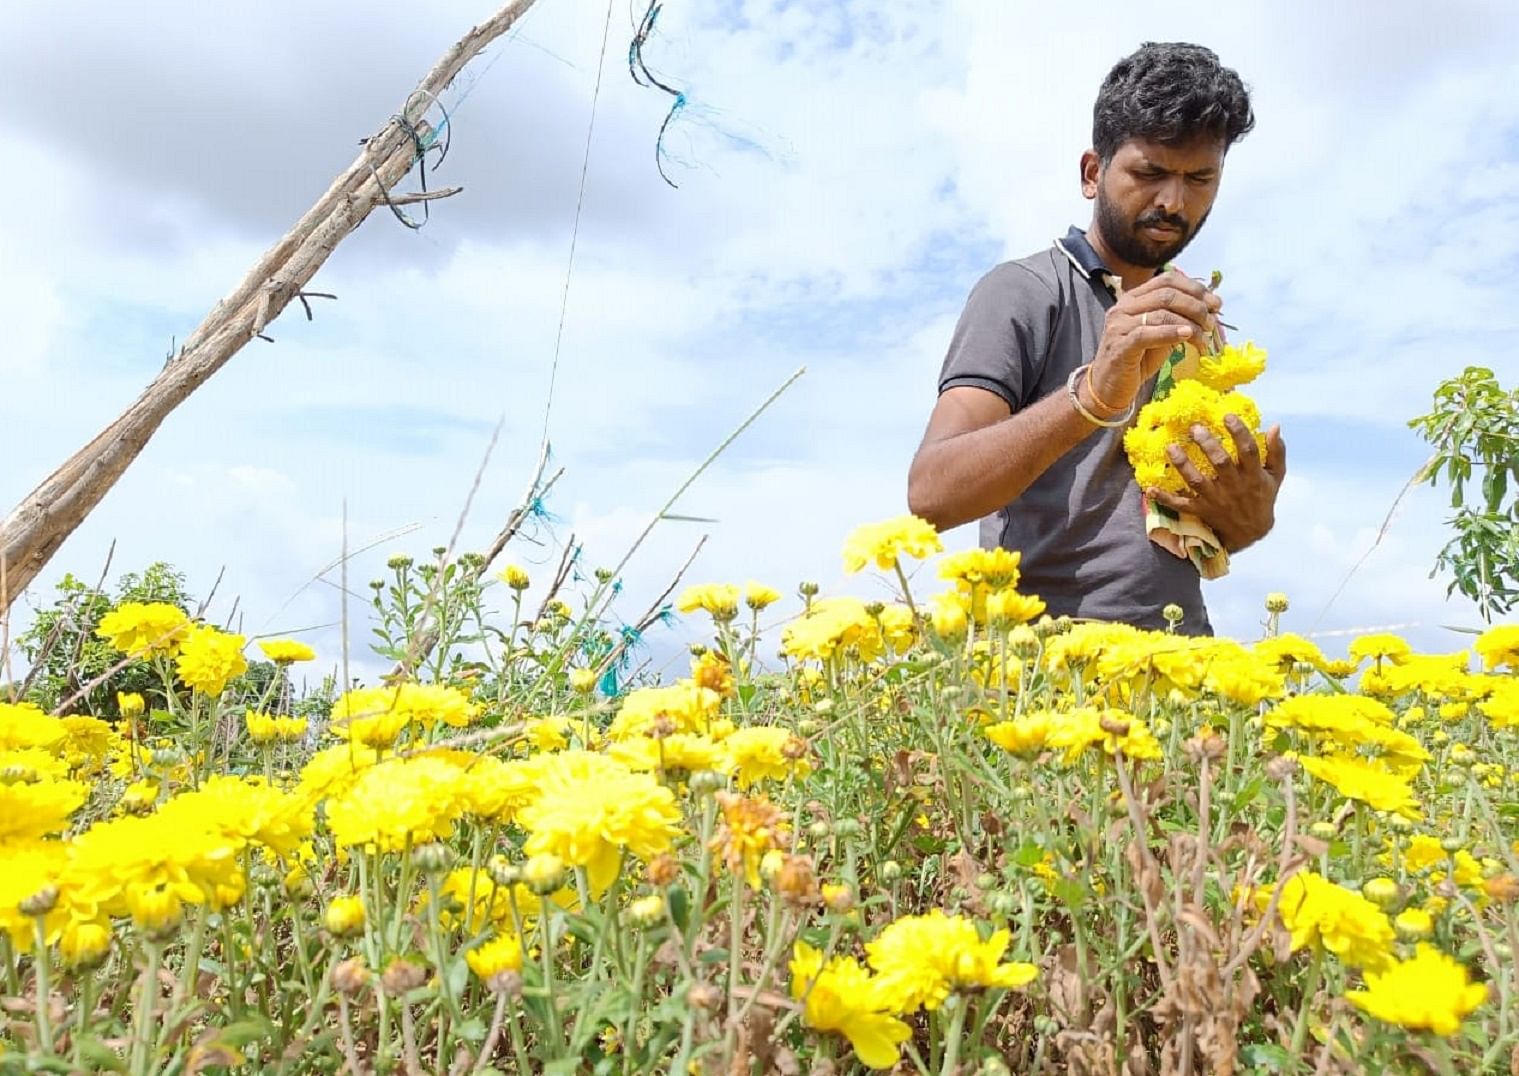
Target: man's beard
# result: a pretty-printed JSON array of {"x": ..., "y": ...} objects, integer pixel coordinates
[{"x": 1123, "y": 237}]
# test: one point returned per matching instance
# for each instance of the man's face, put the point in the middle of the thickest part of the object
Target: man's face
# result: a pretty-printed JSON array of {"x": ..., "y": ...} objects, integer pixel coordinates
[{"x": 1153, "y": 198}]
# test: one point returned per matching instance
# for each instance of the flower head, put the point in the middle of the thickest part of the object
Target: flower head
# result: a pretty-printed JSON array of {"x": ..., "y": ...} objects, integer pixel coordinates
[
  {"x": 842, "y": 996},
  {"x": 286, "y": 651},
  {"x": 883, "y": 544},
  {"x": 1430, "y": 993},
  {"x": 140, "y": 629},
  {"x": 208, "y": 659},
  {"x": 923, "y": 958},
  {"x": 1499, "y": 645}
]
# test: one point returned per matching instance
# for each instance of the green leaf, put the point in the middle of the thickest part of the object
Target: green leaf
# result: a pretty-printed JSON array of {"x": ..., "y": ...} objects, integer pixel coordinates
[
  {"x": 1028, "y": 854},
  {"x": 1244, "y": 796},
  {"x": 679, "y": 902},
  {"x": 472, "y": 1030},
  {"x": 564, "y": 1066},
  {"x": 458, "y": 976},
  {"x": 99, "y": 1055},
  {"x": 241, "y": 1033},
  {"x": 1267, "y": 1056},
  {"x": 714, "y": 956}
]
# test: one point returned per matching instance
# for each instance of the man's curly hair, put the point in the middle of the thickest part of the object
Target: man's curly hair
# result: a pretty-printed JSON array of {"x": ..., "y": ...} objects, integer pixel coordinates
[{"x": 1171, "y": 93}]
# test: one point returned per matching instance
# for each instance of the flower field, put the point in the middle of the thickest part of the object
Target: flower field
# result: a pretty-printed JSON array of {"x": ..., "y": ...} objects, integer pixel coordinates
[{"x": 941, "y": 834}]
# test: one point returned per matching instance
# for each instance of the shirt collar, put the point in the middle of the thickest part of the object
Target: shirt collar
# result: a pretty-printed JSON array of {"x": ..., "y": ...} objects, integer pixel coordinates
[{"x": 1075, "y": 246}]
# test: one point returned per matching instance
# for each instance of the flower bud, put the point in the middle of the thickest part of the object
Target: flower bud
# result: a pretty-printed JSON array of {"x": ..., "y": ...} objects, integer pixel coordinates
[
  {"x": 1324, "y": 831},
  {"x": 434, "y": 857},
  {"x": 344, "y": 916},
  {"x": 40, "y": 902},
  {"x": 818, "y": 830},
  {"x": 1383, "y": 892},
  {"x": 1413, "y": 924},
  {"x": 704, "y": 996},
  {"x": 646, "y": 911},
  {"x": 544, "y": 873},
  {"x": 890, "y": 871},
  {"x": 1452, "y": 844},
  {"x": 1276, "y": 602},
  {"x": 705, "y": 782},
  {"x": 847, "y": 827},
  {"x": 399, "y": 561}
]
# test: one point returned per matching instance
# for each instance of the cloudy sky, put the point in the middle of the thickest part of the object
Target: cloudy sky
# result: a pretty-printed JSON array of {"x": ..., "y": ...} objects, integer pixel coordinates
[{"x": 846, "y": 172}]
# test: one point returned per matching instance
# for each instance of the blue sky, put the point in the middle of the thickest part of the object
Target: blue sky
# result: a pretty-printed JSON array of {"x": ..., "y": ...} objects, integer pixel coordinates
[{"x": 846, "y": 173}]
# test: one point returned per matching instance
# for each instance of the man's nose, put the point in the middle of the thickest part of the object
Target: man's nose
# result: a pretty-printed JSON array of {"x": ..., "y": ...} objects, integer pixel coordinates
[{"x": 1171, "y": 196}]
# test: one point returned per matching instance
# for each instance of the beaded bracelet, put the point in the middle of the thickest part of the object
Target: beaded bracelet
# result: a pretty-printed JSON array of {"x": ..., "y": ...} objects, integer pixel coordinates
[{"x": 1106, "y": 423}]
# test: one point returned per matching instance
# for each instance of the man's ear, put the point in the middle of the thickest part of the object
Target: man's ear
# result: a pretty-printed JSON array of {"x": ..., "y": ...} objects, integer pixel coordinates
[{"x": 1091, "y": 174}]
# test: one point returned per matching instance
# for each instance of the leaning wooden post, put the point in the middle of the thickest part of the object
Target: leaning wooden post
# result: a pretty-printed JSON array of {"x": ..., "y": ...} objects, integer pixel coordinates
[{"x": 37, "y": 526}]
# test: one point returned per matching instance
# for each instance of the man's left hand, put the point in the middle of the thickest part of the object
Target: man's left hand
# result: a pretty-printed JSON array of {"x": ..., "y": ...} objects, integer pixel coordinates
[{"x": 1239, "y": 502}]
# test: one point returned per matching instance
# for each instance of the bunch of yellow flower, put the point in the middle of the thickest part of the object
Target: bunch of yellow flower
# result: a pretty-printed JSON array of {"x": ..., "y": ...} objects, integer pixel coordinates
[
  {"x": 1430, "y": 992},
  {"x": 1170, "y": 420}
]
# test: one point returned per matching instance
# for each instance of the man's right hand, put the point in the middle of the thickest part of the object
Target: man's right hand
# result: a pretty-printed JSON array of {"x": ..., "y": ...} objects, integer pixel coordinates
[{"x": 1143, "y": 327}]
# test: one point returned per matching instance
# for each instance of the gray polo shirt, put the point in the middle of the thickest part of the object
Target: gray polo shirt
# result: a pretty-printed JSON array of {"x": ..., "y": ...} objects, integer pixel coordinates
[{"x": 1080, "y": 526}]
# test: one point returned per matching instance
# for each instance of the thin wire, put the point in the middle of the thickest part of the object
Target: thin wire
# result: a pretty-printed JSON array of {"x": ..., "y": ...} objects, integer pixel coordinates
[{"x": 585, "y": 164}]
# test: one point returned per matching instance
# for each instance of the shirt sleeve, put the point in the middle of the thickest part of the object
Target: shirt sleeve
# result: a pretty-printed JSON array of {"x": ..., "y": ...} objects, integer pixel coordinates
[{"x": 1002, "y": 336}]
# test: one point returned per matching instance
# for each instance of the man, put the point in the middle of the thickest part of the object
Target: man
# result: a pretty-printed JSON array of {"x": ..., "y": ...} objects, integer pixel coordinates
[{"x": 1055, "y": 352}]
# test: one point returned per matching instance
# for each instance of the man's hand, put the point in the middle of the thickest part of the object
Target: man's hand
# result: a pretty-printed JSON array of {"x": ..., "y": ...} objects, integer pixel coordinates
[
  {"x": 1239, "y": 501},
  {"x": 1142, "y": 328}
]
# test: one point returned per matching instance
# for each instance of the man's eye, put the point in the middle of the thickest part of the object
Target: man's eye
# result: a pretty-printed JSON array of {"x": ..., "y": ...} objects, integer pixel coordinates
[{"x": 1200, "y": 181}]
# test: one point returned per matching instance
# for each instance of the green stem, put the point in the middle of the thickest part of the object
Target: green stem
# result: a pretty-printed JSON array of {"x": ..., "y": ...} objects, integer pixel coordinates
[
  {"x": 142, "y": 1048},
  {"x": 1300, "y": 1029},
  {"x": 953, "y": 1036},
  {"x": 42, "y": 965}
]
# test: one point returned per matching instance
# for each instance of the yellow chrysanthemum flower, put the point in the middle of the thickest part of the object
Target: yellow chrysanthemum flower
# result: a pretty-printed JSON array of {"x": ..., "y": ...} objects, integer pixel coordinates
[
  {"x": 684, "y": 704},
  {"x": 1341, "y": 921},
  {"x": 843, "y": 997},
  {"x": 209, "y": 658},
  {"x": 398, "y": 802},
  {"x": 834, "y": 626},
  {"x": 1359, "y": 779},
  {"x": 992, "y": 568},
  {"x": 717, "y": 600},
  {"x": 1431, "y": 992},
  {"x": 590, "y": 809},
  {"x": 141, "y": 629},
  {"x": 921, "y": 959},
  {"x": 757, "y": 596},
  {"x": 1499, "y": 645},
  {"x": 764, "y": 752},
  {"x": 1232, "y": 366},
  {"x": 286, "y": 651},
  {"x": 884, "y": 543},
  {"x": 502, "y": 953},
  {"x": 24, "y": 725},
  {"x": 34, "y": 809}
]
